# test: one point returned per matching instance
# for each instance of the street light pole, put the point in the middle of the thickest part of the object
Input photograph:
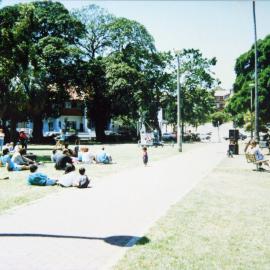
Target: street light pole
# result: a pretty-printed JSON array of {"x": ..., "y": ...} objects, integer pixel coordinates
[
  {"x": 179, "y": 130},
  {"x": 251, "y": 116},
  {"x": 256, "y": 76}
]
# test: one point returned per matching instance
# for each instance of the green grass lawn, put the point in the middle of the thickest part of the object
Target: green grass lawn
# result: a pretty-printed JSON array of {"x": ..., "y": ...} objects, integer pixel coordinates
[
  {"x": 222, "y": 224},
  {"x": 15, "y": 191}
]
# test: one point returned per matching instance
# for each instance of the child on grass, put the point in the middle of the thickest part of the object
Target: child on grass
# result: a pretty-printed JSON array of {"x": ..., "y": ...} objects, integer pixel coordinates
[{"x": 145, "y": 156}]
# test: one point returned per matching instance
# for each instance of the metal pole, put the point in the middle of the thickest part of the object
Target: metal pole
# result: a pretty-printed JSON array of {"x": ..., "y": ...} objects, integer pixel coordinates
[
  {"x": 251, "y": 116},
  {"x": 179, "y": 131},
  {"x": 256, "y": 76}
]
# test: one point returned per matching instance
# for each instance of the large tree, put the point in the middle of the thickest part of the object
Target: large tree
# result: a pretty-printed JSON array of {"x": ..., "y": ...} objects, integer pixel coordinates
[
  {"x": 239, "y": 104},
  {"x": 42, "y": 37},
  {"x": 197, "y": 82},
  {"x": 112, "y": 56}
]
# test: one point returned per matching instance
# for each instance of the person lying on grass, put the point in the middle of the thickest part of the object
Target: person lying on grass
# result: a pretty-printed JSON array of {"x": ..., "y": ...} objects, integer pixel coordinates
[
  {"x": 39, "y": 179},
  {"x": 9, "y": 164}
]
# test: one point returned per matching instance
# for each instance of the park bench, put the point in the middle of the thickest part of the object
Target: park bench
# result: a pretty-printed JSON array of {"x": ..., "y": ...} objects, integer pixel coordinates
[
  {"x": 251, "y": 158},
  {"x": 85, "y": 138}
]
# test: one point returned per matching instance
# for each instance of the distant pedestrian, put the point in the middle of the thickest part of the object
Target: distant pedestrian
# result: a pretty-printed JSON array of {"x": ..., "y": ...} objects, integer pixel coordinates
[
  {"x": 2, "y": 137},
  {"x": 23, "y": 139},
  {"x": 145, "y": 156}
]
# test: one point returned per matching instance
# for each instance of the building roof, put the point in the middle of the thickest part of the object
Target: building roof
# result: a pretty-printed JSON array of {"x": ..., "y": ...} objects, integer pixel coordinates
[{"x": 220, "y": 92}]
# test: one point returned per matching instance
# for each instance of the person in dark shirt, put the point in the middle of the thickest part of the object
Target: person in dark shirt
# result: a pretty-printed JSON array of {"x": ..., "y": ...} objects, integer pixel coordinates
[{"x": 63, "y": 160}]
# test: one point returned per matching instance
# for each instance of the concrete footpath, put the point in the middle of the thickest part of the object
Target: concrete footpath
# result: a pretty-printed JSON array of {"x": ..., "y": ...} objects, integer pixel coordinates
[{"x": 92, "y": 228}]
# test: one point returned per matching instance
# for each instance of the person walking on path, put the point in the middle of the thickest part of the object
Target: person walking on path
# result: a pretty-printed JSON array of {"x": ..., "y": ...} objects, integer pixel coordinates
[{"x": 145, "y": 156}]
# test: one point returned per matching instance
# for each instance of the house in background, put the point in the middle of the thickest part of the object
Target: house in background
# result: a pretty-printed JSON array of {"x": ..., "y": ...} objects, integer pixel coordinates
[
  {"x": 72, "y": 119},
  {"x": 221, "y": 96}
]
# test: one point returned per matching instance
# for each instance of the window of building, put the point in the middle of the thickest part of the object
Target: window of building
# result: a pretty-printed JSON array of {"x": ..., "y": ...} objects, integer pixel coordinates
[
  {"x": 50, "y": 126},
  {"x": 68, "y": 105}
]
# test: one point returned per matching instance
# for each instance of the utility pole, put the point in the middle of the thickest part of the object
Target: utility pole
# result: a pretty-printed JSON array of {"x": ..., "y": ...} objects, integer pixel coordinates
[
  {"x": 251, "y": 115},
  {"x": 179, "y": 130},
  {"x": 256, "y": 76}
]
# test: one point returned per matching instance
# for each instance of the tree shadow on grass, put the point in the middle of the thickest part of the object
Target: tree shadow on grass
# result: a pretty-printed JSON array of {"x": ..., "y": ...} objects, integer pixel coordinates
[
  {"x": 45, "y": 158},
  {"x": 116, "y": 240}
]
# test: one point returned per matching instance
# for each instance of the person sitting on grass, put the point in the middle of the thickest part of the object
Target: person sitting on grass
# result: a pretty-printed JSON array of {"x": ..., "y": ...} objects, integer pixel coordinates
[
  {"x": 9, "y": 164},
  {"x": 39, "y": 179},
  {"x": 72, "y": 179},
  {"x": 69, "y": 177},
  {"x": 103, "y": 157},
  {"x": 19, "y": 158},
  {"x": 54, "y": 155},
  {"x": 85, "y": 156},
  {"x": 63, "y": 160},
  {"x": 82, "y": 181}
]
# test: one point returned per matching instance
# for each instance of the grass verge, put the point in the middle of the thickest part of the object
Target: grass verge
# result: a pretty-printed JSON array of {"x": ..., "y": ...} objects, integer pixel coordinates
[
  {"x": 15, "y": 191},
  {"x": 222, "y": 224}
]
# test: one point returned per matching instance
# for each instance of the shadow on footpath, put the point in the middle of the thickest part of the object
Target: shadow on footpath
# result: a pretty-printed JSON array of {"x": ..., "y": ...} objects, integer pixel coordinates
[{"x": 117, "y": 240}]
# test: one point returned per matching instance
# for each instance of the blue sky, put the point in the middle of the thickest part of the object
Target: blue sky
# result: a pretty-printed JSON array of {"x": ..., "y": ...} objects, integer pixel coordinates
[{"x": 223, "y": 29}]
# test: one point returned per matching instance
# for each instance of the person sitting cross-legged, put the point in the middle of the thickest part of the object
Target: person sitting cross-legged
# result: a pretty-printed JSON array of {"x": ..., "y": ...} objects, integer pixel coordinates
[{"x": 39, "y": 179}]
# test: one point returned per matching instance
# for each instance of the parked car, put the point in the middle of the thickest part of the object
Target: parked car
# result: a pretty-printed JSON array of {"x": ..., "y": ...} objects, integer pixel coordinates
[
  {"x": 204, "y": 136},
  {"x": 167, "y": 136}
]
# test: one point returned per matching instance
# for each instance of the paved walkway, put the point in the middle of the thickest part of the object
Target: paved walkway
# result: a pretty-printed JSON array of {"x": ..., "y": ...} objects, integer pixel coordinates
[{"x": 92, "y": 228}]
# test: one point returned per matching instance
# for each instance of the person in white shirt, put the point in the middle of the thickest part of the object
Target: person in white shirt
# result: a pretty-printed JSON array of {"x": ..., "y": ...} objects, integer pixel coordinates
[{"x": 86, "y": 156}]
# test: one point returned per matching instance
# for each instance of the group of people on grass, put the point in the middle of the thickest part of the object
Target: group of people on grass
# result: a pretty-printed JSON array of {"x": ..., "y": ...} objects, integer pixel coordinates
[
  {"x": 16, "y": 159},
  {"x": 79, "y": 155},
  {"x": 22, "y": 139}
]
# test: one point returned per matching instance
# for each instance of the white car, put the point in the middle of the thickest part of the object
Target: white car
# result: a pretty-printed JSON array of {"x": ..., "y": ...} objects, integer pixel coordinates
[{"x": 204, "y": 137}]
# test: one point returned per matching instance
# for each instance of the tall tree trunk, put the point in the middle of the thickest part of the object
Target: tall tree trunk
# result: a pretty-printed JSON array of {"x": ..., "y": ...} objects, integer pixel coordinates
[
  {"x": 37, "y": 129},
  {"x": 100, "y": 127},
  {"x": 156, "y": 125},
  {"x": 14, "y": 136}
]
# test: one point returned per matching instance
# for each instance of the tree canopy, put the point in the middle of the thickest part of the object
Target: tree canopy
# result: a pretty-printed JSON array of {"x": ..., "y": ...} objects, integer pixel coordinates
[{"x": 239, "y": 104}]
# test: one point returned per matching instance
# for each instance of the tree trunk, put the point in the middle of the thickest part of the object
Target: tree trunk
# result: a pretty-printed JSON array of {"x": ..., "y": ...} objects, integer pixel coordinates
[
  {"x": 37, "y": 129},
  {"x": 100, "y": 127},
  {"x": 156, "y": 125},
  {"x": 14, "y": 136}
]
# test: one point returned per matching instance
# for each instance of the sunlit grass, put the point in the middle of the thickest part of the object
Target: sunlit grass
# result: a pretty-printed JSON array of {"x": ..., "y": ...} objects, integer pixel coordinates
[
  {"x": 222, "y": 224},
  {"x": 15, "y": 191}
]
